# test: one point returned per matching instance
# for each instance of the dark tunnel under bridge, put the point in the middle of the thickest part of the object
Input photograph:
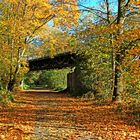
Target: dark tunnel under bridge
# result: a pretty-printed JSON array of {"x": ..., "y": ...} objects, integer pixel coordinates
[{"x": 60, "y": 61}]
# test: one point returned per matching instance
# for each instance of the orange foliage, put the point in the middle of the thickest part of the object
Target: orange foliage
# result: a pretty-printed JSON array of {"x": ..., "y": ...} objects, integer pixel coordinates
[{"x": 45, "y": 115}]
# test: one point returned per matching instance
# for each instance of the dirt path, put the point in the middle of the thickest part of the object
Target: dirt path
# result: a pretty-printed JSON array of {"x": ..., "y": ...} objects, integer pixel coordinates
[{"x": 55, "y": 116}]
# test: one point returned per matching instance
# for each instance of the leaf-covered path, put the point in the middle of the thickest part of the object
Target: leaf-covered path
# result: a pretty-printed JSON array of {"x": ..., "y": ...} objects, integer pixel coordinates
[{"x": 55, "y": 116}]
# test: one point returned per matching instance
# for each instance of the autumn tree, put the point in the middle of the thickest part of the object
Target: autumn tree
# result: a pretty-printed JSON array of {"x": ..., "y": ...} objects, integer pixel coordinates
[
  {"x": 124, "y": 31},
  {"x": 21, "y": 21},
  {"x": 117, "y": 29},
  {"x": 52, "y": 42}
]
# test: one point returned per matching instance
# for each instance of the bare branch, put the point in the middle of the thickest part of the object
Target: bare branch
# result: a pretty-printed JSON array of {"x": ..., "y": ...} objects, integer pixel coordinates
[{"x": 46, "y": 20}]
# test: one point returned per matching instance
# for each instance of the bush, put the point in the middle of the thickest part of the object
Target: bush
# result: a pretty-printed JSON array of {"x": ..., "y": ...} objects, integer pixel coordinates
[
  {"x": 6, "y": 97},
  {"x": 94, "y": 72}
]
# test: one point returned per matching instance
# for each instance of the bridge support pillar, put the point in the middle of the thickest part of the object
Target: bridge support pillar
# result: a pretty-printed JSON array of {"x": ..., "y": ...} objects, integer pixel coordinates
[{"x": 73, "y": 84}]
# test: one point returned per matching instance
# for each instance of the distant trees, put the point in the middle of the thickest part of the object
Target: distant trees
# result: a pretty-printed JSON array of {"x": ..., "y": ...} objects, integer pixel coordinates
[{"x": 53, "y": 79}]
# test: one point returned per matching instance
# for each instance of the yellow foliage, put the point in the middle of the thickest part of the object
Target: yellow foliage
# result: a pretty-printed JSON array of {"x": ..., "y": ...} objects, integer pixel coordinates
[{"x": 21, "y": 22}]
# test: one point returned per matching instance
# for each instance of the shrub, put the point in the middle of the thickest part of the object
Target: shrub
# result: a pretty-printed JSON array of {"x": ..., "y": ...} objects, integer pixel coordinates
[
  {"x": 6, "y": 97},
  {"x": 95, "y": 73}
]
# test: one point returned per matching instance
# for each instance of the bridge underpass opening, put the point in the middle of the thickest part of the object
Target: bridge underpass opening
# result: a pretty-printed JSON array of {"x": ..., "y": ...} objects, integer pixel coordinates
[
  {"x": 55, "y": 80},
  {"x": 64, "y": 64}
]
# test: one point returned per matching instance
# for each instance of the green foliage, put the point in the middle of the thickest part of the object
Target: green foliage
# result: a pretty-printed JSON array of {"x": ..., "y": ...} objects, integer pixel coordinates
[
  {"x": 94, "y": 69},
  {"x": 25, "y": 86},
  {"x": 53, "y": 79},
  {"x": 6, "y": 97},
  {"x": 30, "y": 79},
  {"x": 10, "y": 98}
]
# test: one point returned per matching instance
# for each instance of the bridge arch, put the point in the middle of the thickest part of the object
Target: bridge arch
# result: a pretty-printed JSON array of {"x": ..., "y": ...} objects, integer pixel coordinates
[{"x": 60, "y": 61}]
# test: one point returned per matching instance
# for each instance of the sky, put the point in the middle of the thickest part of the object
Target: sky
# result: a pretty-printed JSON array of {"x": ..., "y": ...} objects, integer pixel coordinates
[
  {"x": 97, "y": 4},
  {"x": 89, "y": 2}
]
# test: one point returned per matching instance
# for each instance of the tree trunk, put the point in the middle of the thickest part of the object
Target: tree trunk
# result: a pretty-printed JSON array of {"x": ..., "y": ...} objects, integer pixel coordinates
[
  {"x": 13, "y": 79},
  {"x": 122, "y": 6},
  {"x": 115, "y": 96},
  {"x": 10, "y": 86}
]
